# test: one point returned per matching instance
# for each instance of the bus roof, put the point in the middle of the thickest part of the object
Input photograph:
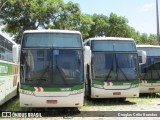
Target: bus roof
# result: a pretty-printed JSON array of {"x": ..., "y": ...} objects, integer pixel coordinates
[
  {"x": 110, "y": 38},
  {"x": 7, "y": 38},
  {"x": 148, "y": 46},
  {"x": 52, "y": 31},
  {"x": 151, "y": 50}
]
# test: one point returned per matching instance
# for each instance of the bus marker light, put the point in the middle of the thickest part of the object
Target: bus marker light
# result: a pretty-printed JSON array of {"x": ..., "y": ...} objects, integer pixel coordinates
[
  {"x": 52, "y": 101},
  {"x": 26, "y": 104},
  {"x": 77, "y": 104},
  {"x": 97, "y": 95},
  {"x": 151, "y": 89},
  {"x": 116, "y": 93}
]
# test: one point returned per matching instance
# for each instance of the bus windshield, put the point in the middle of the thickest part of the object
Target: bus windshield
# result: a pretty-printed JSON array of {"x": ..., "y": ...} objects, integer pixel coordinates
[
  {"x": 151, "y": 70},
  {"x": 114, "y": 67},
  {"x": 51, "y": 40},
  {"x": 52, "y": 68}
]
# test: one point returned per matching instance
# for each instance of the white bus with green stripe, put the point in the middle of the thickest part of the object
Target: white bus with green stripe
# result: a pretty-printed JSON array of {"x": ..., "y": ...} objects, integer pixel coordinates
[
  {"x": 52, "y": 69},
  {"x": 9, "y": 69},
  {"x": 150, "y": 72},
  {"x": 113, "y": 71}
]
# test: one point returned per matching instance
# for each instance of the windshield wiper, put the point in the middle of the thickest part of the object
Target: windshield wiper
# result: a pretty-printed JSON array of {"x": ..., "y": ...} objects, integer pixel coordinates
[
  {"x": 122, "y": 73},
  {"x": 109, "y": 74},
  {"x": 62, "y": 74}
]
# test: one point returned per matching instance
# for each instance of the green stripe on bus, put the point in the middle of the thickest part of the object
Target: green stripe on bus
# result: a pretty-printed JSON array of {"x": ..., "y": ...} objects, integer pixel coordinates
[
  {"x": 26, "y": 87},
  {"x": 50, "y": 89},
  {"x": 151, "y": 81},
  {"x": 97, "y": 82},
  {"x": 6, "y": 69},
  {"x": 76, "y": 87}
]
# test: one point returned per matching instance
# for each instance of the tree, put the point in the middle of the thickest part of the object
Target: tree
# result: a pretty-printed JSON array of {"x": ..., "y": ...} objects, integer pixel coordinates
[
  {"x": 85, "y": 25},
  {"x": 67, "y": 17},
  {"x": 144, "y": 38},
  {"x": 2, "y": 4},
  {"x": 117, "y": 26},
  {"x": 20, "y": 15},
  {"x": 100, "y": 26},
  {"x": 152, "y": 39}
]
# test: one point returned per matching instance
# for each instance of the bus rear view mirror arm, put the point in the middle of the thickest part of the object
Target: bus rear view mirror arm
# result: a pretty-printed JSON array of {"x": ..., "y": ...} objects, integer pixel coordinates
[
  {"x": 144, "y": 56},
  {"x": 87, "y": 55},
  {"x": 16, "y": 51}
]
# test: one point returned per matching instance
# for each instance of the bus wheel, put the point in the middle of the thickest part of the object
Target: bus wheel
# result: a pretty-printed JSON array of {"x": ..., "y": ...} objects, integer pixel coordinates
[{"x": 18, "y": 90}]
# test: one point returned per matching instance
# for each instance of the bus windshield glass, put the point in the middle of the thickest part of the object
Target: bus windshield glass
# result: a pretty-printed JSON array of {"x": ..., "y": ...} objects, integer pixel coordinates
[
  {"x": 114, "y": 67},
  {"x": 151, "y": 70},
  {"x": 51, "y": 40},
  {"x": 113, "y": 45},
  {"x": 52, "y": 68}
]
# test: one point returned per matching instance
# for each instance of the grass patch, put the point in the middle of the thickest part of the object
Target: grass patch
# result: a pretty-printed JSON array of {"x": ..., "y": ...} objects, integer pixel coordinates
[
  {"x": 145, "y": 101},
  {"x": 14, "y": 105},
  {"x": 106, "y": 102}
]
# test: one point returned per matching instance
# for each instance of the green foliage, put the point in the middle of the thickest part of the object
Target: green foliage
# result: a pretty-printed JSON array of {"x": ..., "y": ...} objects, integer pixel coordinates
[
  {"x": 117, "y": 26},
  {"x": 67, "y": 17},
  {"x": 100, "y": 26},
  {"x": 19, "y": 15},
  {"x": 152, "y": 39},
  {"x": 85, "y": 25}
]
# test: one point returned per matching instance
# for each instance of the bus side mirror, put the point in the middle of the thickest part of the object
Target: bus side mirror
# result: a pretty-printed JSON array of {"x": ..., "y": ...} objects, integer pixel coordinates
[
  {"x": 144, "y": 56},
  {"x": 16, "y": 49},
  {"x": 87, "y": 55}
]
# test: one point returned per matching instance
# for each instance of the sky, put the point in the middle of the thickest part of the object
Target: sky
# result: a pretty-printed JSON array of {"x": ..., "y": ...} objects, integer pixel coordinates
[{"x": 141, "y": 14}]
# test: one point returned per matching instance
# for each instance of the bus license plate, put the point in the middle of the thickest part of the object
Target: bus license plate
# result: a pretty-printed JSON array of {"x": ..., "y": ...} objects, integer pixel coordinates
[
  {"x": 117, "y": 93},
  {"x": 52, "y": 101},
  {"x": 151, "y": 89}
]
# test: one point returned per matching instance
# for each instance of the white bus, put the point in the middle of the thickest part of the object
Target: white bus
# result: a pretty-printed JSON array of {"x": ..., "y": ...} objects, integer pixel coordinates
[
  {"x": 51, "y": 69},
  {"x": 150, "y": 72},
  {"x": 113, "y": 71},
  {"x": 9, "y": 69}
]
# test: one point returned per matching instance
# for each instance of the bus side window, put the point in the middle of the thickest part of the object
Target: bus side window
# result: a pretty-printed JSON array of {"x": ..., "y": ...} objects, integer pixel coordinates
[
  {"x": 2, "y": 48},
  {"x": 8, "y": 46},
  {"x": 5, "y": 49},
  {"x": 2, "y": 53}
]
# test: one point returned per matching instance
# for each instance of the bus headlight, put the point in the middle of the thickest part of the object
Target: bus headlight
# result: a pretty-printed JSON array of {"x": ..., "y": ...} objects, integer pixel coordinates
[
  {"x": 76, "y": 92},
  {"x": 97, "y": 86},
  {"x": 134, "y": 85},
  {"x": 26, "y": 92}
]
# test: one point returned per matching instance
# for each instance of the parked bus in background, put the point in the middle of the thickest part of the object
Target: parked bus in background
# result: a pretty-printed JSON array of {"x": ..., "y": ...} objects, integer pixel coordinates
[
  {"x": 52, "y": 69},
  {"x": 150, "y": 72},
  {"x": 9, "y": 68},
  {"x": 113, "y": 71}
]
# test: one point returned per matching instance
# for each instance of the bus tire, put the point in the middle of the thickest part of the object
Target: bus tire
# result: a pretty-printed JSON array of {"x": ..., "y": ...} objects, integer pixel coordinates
[{"x": 18, "y": 90}]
